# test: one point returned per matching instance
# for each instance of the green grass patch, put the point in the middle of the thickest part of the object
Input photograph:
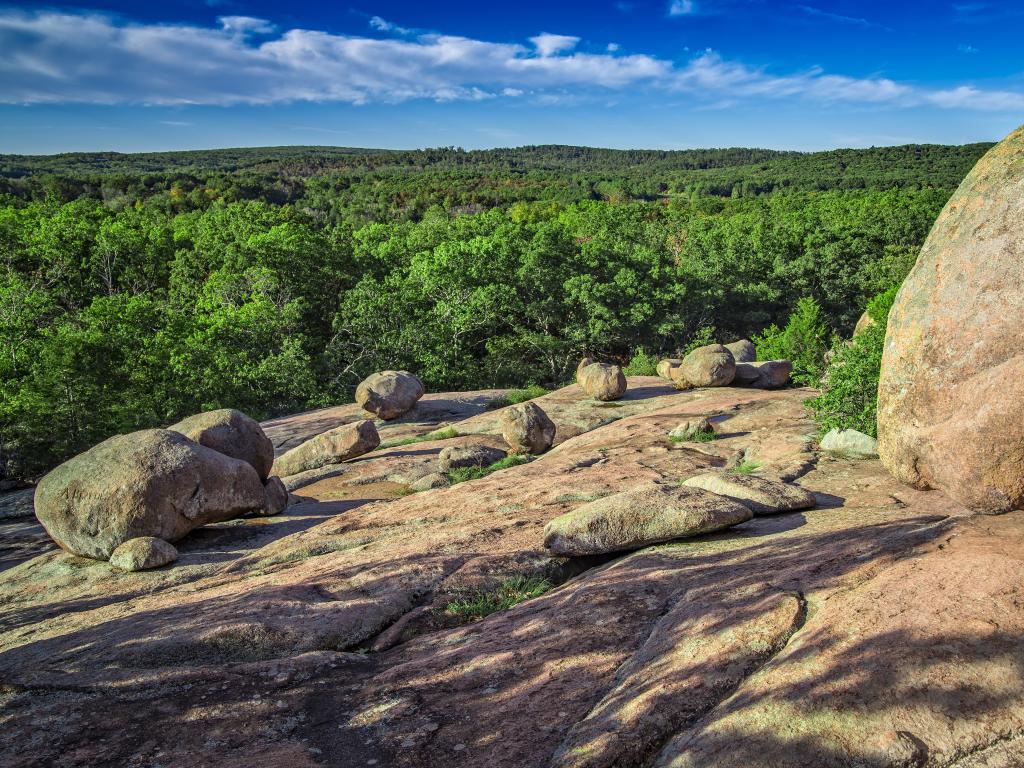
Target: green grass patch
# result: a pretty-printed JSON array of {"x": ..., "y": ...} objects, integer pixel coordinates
[
  {"x": 516, "y": 396},
  {"x": 463, "y": 474},
  {"x": 705, "y": 436},
  {"x": 746, "y": 467},
  {"x": 474, "y": 606},
  {"x": 442, "y": 434}
]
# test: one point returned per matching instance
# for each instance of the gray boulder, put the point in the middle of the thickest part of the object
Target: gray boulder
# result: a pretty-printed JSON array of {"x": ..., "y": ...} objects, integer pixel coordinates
[
  {"x": 742, "y": 351},
  {"x": 232, "y": 433},
  {"x": 603, "y": 381},
  {"x": 849, "y": 444},
  {"x": 331, "y": 447},
  {"x": 389, "y": 394},
  {"x": 143, "y": 553},
  {"x": 277, "y": 497},
  {"x": 709, "y": 366},
  {"x": 460, "y": 457},
  {"x": 767, "y": 374},
  {"x": 527, "y": 428},
  {"x": 761, "y": 496}
]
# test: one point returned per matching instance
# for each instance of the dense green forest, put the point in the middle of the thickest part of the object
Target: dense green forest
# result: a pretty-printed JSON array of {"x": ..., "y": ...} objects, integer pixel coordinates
[{"x": 140, "y": 288}]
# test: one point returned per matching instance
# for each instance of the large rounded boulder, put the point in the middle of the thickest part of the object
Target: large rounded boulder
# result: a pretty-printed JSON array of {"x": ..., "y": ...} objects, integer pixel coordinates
[
  {"x": 232, "y": 433},
  {"x": 603, "y": 381},
  {"x": 951, "y": 393},
  {"x": 151, "y": 483},
  {"x": 527, "y": 428},
  {"x": 709, "y": 366},
  {"x": 389, "y": 394},
  {"x": 331, "y": 447}
]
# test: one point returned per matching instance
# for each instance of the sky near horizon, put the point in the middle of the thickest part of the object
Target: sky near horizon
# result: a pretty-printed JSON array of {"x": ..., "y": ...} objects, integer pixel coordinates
[{"x": 672, "y": 74}]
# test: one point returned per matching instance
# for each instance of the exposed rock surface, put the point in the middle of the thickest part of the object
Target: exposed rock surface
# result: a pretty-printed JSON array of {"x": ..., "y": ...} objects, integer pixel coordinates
[
  {"x": 665, "y": 366},
  {"x": 603, "y": 381},
  {"x": 760, "y": 495},
  {"x": 850, "y": 444},
  {"x": 331, "y": 447},
  {"x": 767, "y": 374},
  {"x": 232, "y": 433},
  {"x": 709, "y": 366},
  {"x": 743, "y": 351},
  {"x": 143, "y": 553},
  {"x": 526, "y": 428},
  {"x": 429, "y": 482},
  {"x": 951, "y": 392},
  {"x": 389, "y": 394},
  {"x": 649, "y": 514},
  {"x": 461, "y": 457},
  {"x": 150, "y": 483}
]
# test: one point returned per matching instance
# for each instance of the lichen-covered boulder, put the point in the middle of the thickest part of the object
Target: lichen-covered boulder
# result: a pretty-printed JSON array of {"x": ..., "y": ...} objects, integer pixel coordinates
[
  {"x": 743, "y": 351},
  {"x": 951, "y": 392},
  {"x": 709, "y": 366},
  {"x": 460, "y": 457},
  {"x": 760, "y": 495},
  {"x": 389, "y": 394},
  {"x": 648, "y": 514},
  {"x": 150, "y": 483},
  {"x": 143, "y": 553},
  {"x": 232, "y": 433},
  {"x": 665, "y": 367},
  {"x": 603, "y": 381},
  {"x": 331, "y": 447},
  {"x": 527, "y": 428}
]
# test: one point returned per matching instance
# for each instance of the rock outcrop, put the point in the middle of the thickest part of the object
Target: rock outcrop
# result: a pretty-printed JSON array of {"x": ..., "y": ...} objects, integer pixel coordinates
[
  {"x": 232, "y": 433},
  {"x": 150, "y": 483},
  {"x": 331, "y": 447},
  {"x": 526, "y": 428},
  {"x": 709, "y": 366},
  {"x": 603, "y": 381},
  {"x": 389, "y": 394},
  {"x": 951, "y": 392}
]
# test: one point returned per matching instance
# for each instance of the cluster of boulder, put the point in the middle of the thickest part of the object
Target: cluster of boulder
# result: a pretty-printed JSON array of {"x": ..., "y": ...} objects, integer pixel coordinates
[
  {"x": 656, "y": 512},
  {"x": 723, "y": 365}
]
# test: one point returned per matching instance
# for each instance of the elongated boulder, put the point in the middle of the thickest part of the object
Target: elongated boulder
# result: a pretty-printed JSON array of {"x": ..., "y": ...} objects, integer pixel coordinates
[
  {"x": 761, "y": 496},
  {"x": 951, "y": 392},
  {"x": 527, "y": 428},
  {"x": 709, "y": 366},
  {"x": 603, "y": 381},
  {"x": 665, "y": 367},
  {"x": 648, "y": 514},
  {"x": 150, "y": 483},
  {"x": 232, "y": 433},
  {"x": 331, "y": 447},
  {"x": 463, "y": 456},
  {"x": 389, "y": 394},
  {"x": 743, "y": 351}
]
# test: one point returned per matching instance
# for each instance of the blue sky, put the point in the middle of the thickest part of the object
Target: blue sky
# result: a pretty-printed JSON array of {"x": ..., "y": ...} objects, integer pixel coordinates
[{"x": 183, "y": 74}]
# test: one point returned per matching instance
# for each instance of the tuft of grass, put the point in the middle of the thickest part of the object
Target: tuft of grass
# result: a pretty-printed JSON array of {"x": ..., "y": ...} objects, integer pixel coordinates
[
  {"x": 746, "y": 467},
  {"x": 705, "y": 436},
  {"x": 442, "y": 434},
  {"x": 474, "y": 606},
  {"x": 516, "y": 396},
  {"x": 463, "y": 474}
]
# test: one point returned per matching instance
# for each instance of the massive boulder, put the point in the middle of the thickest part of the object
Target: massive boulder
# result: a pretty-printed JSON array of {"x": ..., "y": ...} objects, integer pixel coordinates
[
  {"x": 709, "y": 366},
  {"x": 603, "y": 381},
  {"x": 743, "y": 351},
  {"x": 527, "y": 429},
  {"x": 150, "y": 483},
  {"x": 232, "y": 433},
  {"x": 389, "y": 394},
  {"x": 331, "y": 447},
  {"x": 951, "y": 392}
]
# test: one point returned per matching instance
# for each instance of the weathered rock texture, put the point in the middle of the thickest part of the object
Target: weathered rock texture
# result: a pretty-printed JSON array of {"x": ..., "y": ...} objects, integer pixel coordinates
[
  {"x": 665, "y": 366},
  {"x": 850, "y": 444},
  {"x": 583, "y": 363},
  {"x": 691, "y": 428},
  {"x": 276, "y": 497},
  {"x": 331, "y": 447},
  {"x": 389, "y": 394},
  {"x": 951, "y": 392},
  {"x": 143, "y": 553},
  {"x": 526, "y": 428},
  {"x": 461, "y": 457},
  {"x": 603, "y": 381},
  {"x": 767, "y": 374},
  {"x": 709, "y": 366},
  {"x": 743, "y": 351},
  {"x": 232, "y": 433},
  {"x": 149, "y": 483},
  {"x": 760, "y": 495}
]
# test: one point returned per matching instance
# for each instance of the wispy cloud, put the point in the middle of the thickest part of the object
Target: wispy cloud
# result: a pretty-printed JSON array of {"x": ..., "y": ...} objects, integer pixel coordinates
[
  {"x": 682, "y": 7},
  {"x": 52, "y": 57},
  {"x": 838, "y": 18},
  {"x": 964, "y": 48},
  {"x": 383, "y": 25}
]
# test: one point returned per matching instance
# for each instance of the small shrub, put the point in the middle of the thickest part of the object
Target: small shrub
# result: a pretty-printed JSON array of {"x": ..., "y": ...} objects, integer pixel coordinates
[
  {"x": 512, "y": 591},
  {"x": 804, "y": 342},
  {"x": 701, "y": 338},
  {"x": 516, "y": 396},
  {"x": 704, "y": 436},
  {"x": 463, "y": 474},
  {"x": 641, "y": 364},
  {"x": 746, "y": 467},
  {"x": 442, "y": 434}
]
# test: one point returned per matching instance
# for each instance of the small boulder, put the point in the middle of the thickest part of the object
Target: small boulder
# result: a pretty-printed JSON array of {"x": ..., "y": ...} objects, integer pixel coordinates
[
  {"x": 665, "y": 367},
  {"x": 389, "y": 394},
  {"x": 579, "y": 368},
  {"x": 232, "y": 433},
  {"x": 679, "y": 380},
  {"x": 768, "y": 374},
  {"x": 459, "y": 457},
  {"x": 687, "y": 430},
  {"x": 603, "y": 381},
  {"x": 865, "y": 322},
  {"x": 850, "y": 444},
  {"x": 761, "y": 496},
  {"x": 648, "y": 514},
  {"x": 149, "y": 483},
  {"x": 527, "y": 429},
  {"x": 277, "y": 497},
  {"x": 709, "y": 366},
  {"x": 143, "y": 553},
  {"x": 742, "y": 351},
  {"x": 429, "y": 482},
  {"x": 331, "y": 447}
]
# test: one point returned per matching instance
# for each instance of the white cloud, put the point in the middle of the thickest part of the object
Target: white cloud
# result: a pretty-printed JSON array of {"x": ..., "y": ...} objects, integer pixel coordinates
[
  {"x": 383, "y": 25},
  {"x": 682, "y": 8},
  {"x": 612, "y": 47},
  {"x": 52, "y": 57}
]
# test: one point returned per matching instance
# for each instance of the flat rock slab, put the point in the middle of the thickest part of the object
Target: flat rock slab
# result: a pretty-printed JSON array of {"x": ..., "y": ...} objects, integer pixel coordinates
[
  {"x": 648, "y": 514},
  {"x": 761, "y": 496}
]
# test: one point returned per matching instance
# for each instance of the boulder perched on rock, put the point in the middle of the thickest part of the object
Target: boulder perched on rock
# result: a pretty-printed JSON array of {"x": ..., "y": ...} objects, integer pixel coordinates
[
  {"x": 767, "y": 374},
  {"x": 331, "y": 447},
  {"x": 743, "y": 351},
  {"x": 232, "y": 433},
  {"x": 389, "y": 394},
  {"x": 527, "y": 429},
  {"x": 429, "y": 482},
  {"x": 277, "y": 497},
  {"x": 603, "y": 381},
  {"x": 691, "y": 428},
  {"x": 760, "y": 496},
  {"x": 709, "y": 366},
  {"x": 665, "y": 367},
  {"x": 150, "y": 483},
  {"x": 648, "y": 514},
  {"x": 143, "y": 553},
  {"x": 951, "y": 392},
  {"x": 460, "y": 457},
  {"x": 579, "y": 368},
  {"x": 850, "y": 444}
]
